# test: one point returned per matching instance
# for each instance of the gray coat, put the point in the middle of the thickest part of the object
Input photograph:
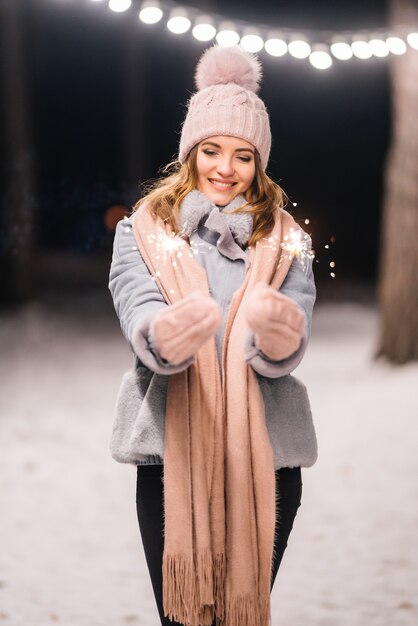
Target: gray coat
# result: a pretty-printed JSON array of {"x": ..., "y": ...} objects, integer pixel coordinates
[{"x": 138, "y": 429}]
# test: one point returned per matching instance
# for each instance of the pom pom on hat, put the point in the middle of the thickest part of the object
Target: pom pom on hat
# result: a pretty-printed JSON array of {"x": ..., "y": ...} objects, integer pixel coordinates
[{"x": 219, "y": 66}]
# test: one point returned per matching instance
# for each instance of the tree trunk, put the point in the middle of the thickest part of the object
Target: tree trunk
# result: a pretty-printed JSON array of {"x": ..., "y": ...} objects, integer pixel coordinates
[
  {"x": 398, "y": 276},
  {"x": 18, "y": 222}
]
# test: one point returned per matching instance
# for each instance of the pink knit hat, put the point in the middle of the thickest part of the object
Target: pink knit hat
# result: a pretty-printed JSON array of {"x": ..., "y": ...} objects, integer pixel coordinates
[{"x": 226, "y": 103}]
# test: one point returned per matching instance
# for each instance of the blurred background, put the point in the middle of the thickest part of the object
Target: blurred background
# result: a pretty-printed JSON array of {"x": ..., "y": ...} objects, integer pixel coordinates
[{"x": 92, "y": 102}]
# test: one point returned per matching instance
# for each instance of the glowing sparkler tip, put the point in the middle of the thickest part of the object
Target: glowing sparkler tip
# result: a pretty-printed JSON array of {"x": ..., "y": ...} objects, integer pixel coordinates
[
  {"x": 297, "y": 244},
  {"x": 172, "y": 246}
]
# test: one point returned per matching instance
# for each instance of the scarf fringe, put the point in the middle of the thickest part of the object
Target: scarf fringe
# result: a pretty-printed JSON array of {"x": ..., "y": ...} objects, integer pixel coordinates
[
  {"x": 248, "y": 610},
  {"x": 193, "y": 592},
  {"x": 219, "y": 572}
]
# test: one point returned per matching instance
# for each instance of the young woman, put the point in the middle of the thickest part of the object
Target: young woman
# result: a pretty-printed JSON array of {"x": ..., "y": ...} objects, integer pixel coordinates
[{"x": 218, "y": 314}]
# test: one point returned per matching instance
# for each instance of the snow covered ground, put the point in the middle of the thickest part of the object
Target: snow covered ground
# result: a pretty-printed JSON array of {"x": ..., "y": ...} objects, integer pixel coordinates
[{"x": 71, "y": 552}]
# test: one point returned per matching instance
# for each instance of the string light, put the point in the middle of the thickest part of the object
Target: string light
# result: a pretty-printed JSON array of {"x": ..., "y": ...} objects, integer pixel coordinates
[
  {"x": 227, "y": 35},
  {"x": 378, "y": 47},
  {"x": 321, "y": 50},
  {"x": 361, "y": 49},
  {"x": 320, "y": 57},
  {"x": 118, "y": 6},
  {"x": 341, "y": 50},
  {"x": 299, "y": 48},
  {"x": 276, "y": 46},
  {"x": 396, "y": 45},
  {"x": 204, "y": 29},
  {"x": 412, "y": 39},
  {"x": 150, "y": 13},
  {"x": 179, "y": 22},
  {"x": 251, "y": 40}
]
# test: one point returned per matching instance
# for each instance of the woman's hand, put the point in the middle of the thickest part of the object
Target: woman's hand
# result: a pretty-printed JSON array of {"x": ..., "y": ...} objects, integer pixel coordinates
[
  {"x": 182, "y": 328},
  {"x": 277, "y": 321}
]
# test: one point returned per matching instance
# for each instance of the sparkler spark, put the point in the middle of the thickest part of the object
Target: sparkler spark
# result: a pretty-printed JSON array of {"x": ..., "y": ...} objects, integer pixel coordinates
[
  {"x": 168, "y": 248},
  {"x": 298, "y": 245},
  {"x": 268, "y": 242}
]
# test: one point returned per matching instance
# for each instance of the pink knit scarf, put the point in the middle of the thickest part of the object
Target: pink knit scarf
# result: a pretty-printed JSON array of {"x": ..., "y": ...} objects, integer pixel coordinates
[{"x": 219, "y": 481}]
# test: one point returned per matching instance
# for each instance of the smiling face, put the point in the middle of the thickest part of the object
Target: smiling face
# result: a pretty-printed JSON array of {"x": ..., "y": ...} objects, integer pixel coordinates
[{"x": 225, "y": 167}]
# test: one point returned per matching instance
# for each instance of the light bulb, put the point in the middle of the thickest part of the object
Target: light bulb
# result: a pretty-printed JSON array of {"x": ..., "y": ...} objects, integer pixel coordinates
[
  {"x": 150, "y": 13},
  {"x": 378, "y": 47},
  {"x": 275, "y": 46},
  {"x": 118, "y": 6},
  {"x": 396, "y": 45},
  {"x": 412, "y": 39},
  {"x": 299, "y": 48},
  {"x": 252, "y": 42},
  {"x": 341, "y": 50},
  {"x": 178, "y": 23},
  {"x": 361, "y": 49},
  {"x": 227, "y": 35},
  {"x": 320, "y": 58},
  {"x": 204, "y": 29}
]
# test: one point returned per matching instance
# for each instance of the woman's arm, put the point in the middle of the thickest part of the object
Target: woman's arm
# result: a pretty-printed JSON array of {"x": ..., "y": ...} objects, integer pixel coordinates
[{"x": 137, "y": 300}]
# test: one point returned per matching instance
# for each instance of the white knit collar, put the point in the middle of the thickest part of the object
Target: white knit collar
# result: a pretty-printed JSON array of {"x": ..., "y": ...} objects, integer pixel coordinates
[{"x": 196, "y": 205}]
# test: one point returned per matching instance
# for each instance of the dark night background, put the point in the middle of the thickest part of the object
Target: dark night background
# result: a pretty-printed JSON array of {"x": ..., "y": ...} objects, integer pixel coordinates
[{"x": 105, "y": 100}]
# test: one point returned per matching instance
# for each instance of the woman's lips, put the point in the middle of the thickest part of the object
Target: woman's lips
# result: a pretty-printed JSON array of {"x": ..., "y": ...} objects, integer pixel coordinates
[{"x": 222, "y": 185}]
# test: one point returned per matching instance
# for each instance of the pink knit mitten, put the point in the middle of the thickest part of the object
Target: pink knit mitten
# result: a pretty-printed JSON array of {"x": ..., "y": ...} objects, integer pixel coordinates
[
  {"x": 276, "y": 320},
  {"x": 180, "y": 329}
]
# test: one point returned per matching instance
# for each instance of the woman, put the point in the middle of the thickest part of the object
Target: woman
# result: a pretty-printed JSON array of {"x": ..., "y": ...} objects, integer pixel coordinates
[{"x": 217, "y": 314}]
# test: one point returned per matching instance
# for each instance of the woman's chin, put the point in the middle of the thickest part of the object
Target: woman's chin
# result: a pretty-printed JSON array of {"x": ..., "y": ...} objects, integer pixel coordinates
[{"x": 221, "y": 199}]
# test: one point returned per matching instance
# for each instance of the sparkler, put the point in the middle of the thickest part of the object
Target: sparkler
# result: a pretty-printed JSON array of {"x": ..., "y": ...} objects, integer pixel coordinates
[
  {"x": 298, "y": 245},
  {"x": 295, "y": 245},
  {"x": 168, "y": 248}
]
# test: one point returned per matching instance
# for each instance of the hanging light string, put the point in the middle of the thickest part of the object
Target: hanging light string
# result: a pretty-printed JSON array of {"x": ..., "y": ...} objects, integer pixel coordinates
[{"x": 321, "y": 48}]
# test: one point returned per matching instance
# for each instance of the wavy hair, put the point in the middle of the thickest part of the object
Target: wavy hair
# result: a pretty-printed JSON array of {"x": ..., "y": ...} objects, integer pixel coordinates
[{"x": 164, "y": 195}]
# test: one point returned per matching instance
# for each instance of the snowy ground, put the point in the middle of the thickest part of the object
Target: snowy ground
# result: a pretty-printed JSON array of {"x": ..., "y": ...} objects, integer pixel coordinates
[{"x": 70, "y": 547}]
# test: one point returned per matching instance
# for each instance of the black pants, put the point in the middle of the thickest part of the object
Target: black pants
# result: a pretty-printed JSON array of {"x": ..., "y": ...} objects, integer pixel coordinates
[{"x": 149, "y": 503}]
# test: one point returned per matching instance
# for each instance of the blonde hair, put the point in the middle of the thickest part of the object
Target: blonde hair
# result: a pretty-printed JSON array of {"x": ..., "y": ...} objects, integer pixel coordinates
[{"x": 165, "y": 195}]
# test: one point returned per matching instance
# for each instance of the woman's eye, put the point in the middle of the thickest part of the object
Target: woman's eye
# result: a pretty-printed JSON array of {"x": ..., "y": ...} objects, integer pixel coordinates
[
  {"x": 209, "y": 152},
  {"x": 245, "y": 159}
]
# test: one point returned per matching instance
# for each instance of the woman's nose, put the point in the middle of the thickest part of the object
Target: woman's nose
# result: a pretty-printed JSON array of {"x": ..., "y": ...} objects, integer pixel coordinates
[{"x": 225, "y": 168}]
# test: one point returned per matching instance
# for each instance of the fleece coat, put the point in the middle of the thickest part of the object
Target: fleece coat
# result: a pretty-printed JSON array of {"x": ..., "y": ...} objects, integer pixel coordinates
[{"x": 138, "y": 430}]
